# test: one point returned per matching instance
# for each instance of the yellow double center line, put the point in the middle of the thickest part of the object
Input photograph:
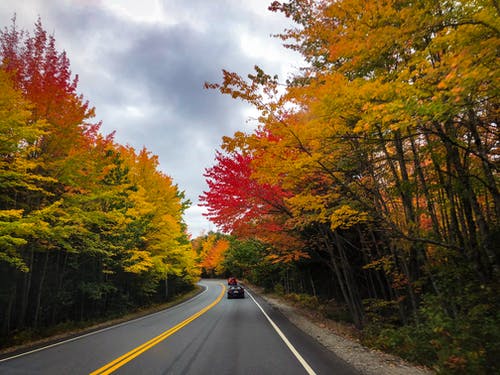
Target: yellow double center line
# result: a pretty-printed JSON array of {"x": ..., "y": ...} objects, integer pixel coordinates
[{"x": 127, "y": 357}]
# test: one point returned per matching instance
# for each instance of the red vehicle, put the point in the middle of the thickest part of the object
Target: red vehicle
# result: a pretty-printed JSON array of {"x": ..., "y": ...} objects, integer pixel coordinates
[{"x": 232, "y": 281}]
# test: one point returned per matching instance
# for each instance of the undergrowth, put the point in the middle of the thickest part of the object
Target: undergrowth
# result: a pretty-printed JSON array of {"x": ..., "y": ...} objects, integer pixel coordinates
[{"x": 466, "y": 341}]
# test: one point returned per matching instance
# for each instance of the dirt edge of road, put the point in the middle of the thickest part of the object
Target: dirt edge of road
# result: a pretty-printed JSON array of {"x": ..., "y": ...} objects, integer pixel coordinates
[
  {"x": 66, "y": 335},
  {"x": 366, "y": 361}
]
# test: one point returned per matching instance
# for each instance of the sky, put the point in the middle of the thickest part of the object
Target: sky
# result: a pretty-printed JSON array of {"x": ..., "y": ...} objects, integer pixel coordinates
[{"x": 142, "y": 65}]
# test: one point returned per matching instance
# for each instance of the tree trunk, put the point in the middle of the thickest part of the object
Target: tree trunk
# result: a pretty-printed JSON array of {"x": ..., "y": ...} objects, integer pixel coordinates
[
  {"x": 351, "y": 284},
  {"x": 26, "y": 290},
  {"x": 8, "y": 311},
  {"x": 40, "y": 290},
  {"x": 339, "y": 273},
  {"x": 429, "y": 200},
  {"x": 166, "y": 286},
  {"x": 312, "y": 283}
]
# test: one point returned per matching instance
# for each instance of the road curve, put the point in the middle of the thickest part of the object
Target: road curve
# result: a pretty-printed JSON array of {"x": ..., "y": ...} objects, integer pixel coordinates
[{"x": 208, "y": 334}]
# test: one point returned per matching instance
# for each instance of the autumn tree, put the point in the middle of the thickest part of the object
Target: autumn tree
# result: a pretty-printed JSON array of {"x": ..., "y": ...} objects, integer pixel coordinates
[
  {"x": 386, "y": 143},
  {"x": 87, "y": 227},
  {"x": 212, "y": 255}
]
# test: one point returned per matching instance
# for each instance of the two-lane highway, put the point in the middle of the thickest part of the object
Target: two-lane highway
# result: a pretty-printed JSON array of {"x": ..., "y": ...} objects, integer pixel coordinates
[{"x": 208, "y": 334}]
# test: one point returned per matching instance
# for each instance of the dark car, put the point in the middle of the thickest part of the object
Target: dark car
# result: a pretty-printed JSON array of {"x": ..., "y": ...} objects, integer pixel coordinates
[{"x": 235, "y": 291}]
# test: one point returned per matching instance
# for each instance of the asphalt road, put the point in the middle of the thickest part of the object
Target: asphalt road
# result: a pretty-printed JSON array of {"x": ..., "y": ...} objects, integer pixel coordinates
[{"x": 208, "y": 334}]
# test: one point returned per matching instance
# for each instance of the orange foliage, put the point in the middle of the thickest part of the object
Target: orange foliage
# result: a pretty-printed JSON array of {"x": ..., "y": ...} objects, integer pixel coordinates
[{"x": 212, "y": 254}]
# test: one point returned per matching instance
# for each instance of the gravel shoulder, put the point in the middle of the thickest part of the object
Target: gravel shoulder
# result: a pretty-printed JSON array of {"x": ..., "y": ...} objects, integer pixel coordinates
[{"x": 332, "y": 335}]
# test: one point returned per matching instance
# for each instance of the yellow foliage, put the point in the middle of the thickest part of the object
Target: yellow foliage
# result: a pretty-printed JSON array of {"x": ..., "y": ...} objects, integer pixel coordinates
[
  {"x": 346, "y": 217},
  {"x": 11, "y": 214},
  {"x": 307, "y": 208},
  {"x": 138, "y": 261}
]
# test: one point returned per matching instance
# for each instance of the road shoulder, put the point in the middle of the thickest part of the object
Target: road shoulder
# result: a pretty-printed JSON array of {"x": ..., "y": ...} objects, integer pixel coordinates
[
  {"x": 70, "y": 334},
  {"x": 365, "y": 360}
]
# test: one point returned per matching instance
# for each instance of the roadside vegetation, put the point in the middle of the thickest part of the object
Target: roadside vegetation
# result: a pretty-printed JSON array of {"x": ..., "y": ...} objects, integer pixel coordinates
[
  {"x": 372, "y": 177},
  {"x": 89, "y": 229},
  {"x": 30, "y": 338},
  {"x": 369, "y": 188}
]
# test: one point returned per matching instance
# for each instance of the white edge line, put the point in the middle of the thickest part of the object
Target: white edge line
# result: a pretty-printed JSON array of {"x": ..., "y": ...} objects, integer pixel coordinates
[
  {"x": 99, "y": 331},
  {"x": 302, "y": 361}
]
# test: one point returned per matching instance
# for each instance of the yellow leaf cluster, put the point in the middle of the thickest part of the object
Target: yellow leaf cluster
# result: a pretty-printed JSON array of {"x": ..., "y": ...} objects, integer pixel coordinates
[
  {"x": 345, "y": 217},
  {"x": 139, "y": 261}
]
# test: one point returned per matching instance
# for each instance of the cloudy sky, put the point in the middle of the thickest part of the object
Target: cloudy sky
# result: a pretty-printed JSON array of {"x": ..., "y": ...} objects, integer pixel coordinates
[{"x": 142, "y": 65}]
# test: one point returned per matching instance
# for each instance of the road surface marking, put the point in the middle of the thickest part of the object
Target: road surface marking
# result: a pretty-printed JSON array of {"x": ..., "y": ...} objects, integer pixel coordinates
[
  {"x": 302, "y": 361},
  {"x": 127, "y": 357},
  {"x": 100, "y": 330}
]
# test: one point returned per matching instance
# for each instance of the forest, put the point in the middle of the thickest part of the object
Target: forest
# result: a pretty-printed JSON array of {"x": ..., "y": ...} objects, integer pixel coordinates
[
  {"x": 372, "y": 178},
  {"x": 89, "y": 228},
  {"x": 369, "y": 188}
]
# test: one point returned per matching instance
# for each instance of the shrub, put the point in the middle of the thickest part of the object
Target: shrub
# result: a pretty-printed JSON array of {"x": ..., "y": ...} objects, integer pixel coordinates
[
  {"x": 279, "y": 290},
  {"x": 304, "y": 300},
  {"x": 409, "y": 342},
  {"x": 467, "y": 343}
]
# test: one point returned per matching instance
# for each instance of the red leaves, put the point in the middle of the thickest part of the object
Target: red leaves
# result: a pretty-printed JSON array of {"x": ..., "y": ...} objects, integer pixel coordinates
[
  {"x": 238, "y": 204},
  {"x": 235, "y": 201},
  {"x": 43, "y": 74},
  {"x": 44, "y": 77}
]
